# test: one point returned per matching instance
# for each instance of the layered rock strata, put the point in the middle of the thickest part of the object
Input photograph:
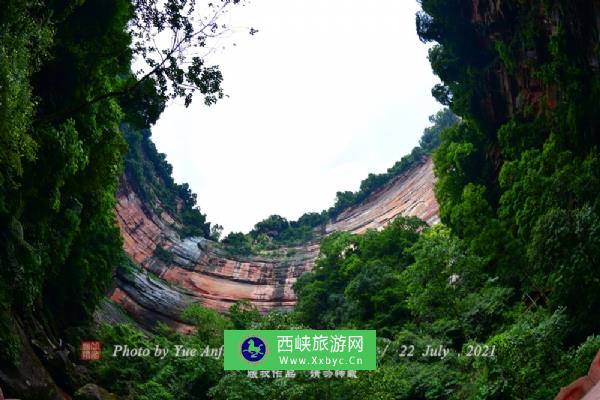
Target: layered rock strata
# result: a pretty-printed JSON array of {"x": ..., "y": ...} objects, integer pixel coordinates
[{"x": 206, "y": 272}]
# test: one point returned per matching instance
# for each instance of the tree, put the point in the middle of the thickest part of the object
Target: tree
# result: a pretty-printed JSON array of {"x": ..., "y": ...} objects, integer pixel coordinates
[
  {"x": 237, "y": 243},
  {"x": 209, "y": 323},
  {"x": 441, "y": 121},
  {"x": 357, "y": 278},
  {"x": 243, "y": 315},
  {"x": 171, "y": 40},
  {"x": 564, "y": 257},
  {"x": 215, "y": 232},
  {"x": 273, "y": 226}
]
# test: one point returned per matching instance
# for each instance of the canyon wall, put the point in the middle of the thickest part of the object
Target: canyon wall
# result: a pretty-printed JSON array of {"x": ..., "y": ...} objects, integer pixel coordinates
[{"x": 203, "y": 271}]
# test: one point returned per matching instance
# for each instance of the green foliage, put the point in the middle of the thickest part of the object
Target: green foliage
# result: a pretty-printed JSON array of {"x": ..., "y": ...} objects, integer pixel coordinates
[
  {"x": 150, "y": 174},
  {"x": 243, "y": 315},
  {"x": 62, "y": 66},
  {"x": 563, "y": 259},
  {"x": 275, "y": 231},
  {"x": 238, "y": 243},
  {"x": 59, "y": 239},
  {"x": 518, "y": 183},
  {"x": 9, "y": 341},
  {"x": 431, "y": 289},
  {"x": 170, "y": 39},
  {"x": 209, "y": 323},
  {"x": 505, "y": 55},
  {"x": 272, "y": 226},
  {"x": 194, "y": 223},
  {"x": 516, "y": 188},
  {"x": 530, "y": 343},
  {"x": 518, "y": 177},
  {"x": 416, "y": 286},
  {"x": 430, "y": 139},
  {"x": 152, "y": 377},
  {"x": 215, "y": 232},
  {"x": 281, "y": 231},
  {"x": 163, "y": 255},
  {"x": 356, "y": 281},
  {"x": 69, "y": 204},
  {"x": 24, "y": 41}
]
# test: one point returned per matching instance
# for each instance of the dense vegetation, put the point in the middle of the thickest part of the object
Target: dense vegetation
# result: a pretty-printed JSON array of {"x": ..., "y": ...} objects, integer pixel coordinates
[
  {"x": 150, "y": 174},
  {"x": 66, "y": 90},
  {"x": 513, "y": 266},
  {"x": 276, "y": 230},
  {"x": 416, "y": 286},
  {"x": 428, "y": 142},
  {"x": 519, "y": 183},
  {"x": 59, "y": 240},
  {"x": 432, "y": 289}
]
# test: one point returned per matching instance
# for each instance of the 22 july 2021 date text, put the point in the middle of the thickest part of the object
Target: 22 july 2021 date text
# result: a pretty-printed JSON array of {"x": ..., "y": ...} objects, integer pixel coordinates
[{"x": 441, "y": 352}]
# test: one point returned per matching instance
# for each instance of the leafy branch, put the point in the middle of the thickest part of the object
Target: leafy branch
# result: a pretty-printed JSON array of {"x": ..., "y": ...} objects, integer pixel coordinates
[{"x": 169, "y": 44}]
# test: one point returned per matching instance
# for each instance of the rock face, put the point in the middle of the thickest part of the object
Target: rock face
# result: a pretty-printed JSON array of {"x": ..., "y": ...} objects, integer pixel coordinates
[
  {"x": 409, "y": 194},
  {"x": 45, "y": 369},
  {"x": 205, "y": 272},
  {"x": 93, "y": 392},
  {"x": 585, "y": 388}
]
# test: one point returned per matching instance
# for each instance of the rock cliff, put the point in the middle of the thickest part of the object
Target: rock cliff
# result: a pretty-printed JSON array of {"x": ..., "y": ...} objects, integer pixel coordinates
[{"x": 200, "y": 270}]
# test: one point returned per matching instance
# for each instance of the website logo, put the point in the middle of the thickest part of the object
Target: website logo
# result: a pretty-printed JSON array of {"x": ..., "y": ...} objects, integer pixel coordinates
[
  {"x": 303, "y": 349},
  {"x": 253, "y": 349}
]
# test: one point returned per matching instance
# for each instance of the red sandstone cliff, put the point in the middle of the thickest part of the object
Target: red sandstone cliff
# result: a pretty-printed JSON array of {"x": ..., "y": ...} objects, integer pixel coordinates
[
  {"x": 203, "y": 271},
  {"x": 585, "y": 388}
]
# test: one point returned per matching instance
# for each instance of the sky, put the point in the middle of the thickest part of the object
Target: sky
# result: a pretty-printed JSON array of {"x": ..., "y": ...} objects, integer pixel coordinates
[{"x": 325, "y": 93}]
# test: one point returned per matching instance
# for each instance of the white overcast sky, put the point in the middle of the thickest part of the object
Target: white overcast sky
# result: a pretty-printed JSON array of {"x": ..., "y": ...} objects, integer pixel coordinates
[{"x": 326, "y": 92}]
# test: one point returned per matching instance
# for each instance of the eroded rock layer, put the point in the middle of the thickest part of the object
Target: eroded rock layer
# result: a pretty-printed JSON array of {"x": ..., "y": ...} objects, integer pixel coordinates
[
  {"x": 204, "y": 271},
  {"x": 410, "y": 194}
]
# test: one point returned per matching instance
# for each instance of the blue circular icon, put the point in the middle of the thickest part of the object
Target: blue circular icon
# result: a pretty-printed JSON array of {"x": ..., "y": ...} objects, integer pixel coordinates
[{"x": 253, "y": 349}]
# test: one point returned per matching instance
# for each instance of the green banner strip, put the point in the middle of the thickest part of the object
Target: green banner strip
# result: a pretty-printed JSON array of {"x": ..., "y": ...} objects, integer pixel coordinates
[{"x": 272, "y": 350}]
